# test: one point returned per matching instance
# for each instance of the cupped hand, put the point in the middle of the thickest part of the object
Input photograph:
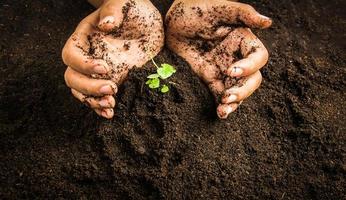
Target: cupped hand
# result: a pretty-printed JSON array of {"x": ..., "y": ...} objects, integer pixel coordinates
[
  {"x": 212, "y": 36},
  {"x": 118, "y": 36}
]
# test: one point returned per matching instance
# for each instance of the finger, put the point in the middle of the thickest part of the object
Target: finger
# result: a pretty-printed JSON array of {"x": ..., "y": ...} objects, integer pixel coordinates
[
  {"x": 255, "y": 56},
  {"x": 94, "y": 102},
  {"x": 252, "y": 18},
  {"x": 228, "y": 50},
  {"x": 223, "y": 110},
  {"x": 89, "y": 86},
  {"x": 111, "y": 15},
  {"x": 238, "y": 12},
  {"x": 107, "y": 113},
  {"x": 237, "y": 94}
]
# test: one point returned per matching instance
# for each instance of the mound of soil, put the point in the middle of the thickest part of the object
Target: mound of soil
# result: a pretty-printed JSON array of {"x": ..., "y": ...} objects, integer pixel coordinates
[{"x": 287, "y": 141}]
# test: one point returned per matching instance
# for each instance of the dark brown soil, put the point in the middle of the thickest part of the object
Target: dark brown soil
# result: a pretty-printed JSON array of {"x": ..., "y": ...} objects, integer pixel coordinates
[{"x": 287, "y": 141}]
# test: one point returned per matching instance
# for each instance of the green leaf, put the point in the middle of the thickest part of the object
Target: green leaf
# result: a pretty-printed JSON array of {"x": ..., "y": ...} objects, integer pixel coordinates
[
  {"x": 148, "y": 81},
  {"x": 155, "y": 83},
  {"x": 165, "y": 89},
  {"x": 151, "y": 76},
  {"x": 166, "y": 71},
  {"x": 169, "y": 67}
]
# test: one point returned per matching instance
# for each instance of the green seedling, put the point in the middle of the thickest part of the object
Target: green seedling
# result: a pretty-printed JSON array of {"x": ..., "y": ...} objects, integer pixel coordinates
[{"x": 162, "y": 73}]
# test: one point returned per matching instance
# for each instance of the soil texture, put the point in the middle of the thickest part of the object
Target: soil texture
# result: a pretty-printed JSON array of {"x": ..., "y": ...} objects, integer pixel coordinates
[{"x": 287, "y": 141}]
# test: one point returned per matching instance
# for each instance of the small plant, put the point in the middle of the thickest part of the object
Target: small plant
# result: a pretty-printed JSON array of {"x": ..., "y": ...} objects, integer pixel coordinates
[{"x": 162, "y": 73}]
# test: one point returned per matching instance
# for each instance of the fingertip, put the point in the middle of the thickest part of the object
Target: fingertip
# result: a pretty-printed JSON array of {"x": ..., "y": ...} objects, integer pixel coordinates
[
  {"x": 266, "y": 22},
  {"x": 107, "y": 113},
  {"x": 109, "y": 89},
  {"x": 223, "y": 110},
  {"x": 254, "y": 19},
  {"x": 104, "y": 103},
  {"x": 100, "y": 69},
  {"x": 111, "y": 101}
]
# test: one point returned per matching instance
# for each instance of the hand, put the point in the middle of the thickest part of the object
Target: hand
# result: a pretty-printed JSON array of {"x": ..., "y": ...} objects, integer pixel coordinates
[
  {"x": 120, "y": 35},
  {"x": 212, "y": 37}
]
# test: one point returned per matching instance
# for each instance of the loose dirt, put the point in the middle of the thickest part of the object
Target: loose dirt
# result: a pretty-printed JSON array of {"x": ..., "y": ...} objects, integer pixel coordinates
[{"x": 287, "y": 141}]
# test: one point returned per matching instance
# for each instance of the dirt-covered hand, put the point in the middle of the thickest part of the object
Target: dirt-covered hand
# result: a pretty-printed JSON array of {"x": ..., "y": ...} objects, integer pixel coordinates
[
  {"x": 212, "y": 36},
  {"x": 118, "y": 36}
]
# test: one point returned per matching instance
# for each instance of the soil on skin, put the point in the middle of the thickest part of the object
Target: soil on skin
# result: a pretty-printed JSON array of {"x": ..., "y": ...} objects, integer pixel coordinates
[{"x": 287, "y": 141}]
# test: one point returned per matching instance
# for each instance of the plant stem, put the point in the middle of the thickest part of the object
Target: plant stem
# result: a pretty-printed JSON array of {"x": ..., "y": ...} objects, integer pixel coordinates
[
  {"x": 151, "y": 57},
  {"x": 153, "y": 61}
]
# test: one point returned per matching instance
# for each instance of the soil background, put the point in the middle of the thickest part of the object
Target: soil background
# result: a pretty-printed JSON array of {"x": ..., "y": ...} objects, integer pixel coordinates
[{"x": 287, "y": 141}]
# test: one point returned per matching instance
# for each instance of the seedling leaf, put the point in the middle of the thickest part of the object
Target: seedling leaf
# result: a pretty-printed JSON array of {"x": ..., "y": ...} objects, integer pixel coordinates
[
  {"x": 151, "y": 76},
  {"x": 165, "y": 89},
  {"x": 166, "y": 71},
  {"x": 163, "y": 72},
  {"x": 148, "y": 82},
  {"x": 155, "y": 83},
  {"x": 169, "y": 67}
]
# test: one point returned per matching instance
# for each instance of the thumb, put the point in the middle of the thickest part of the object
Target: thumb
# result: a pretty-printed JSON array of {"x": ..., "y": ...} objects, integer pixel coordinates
[
  {"x": 111, "y": 16},
  {"x": 252, "y": 18}
]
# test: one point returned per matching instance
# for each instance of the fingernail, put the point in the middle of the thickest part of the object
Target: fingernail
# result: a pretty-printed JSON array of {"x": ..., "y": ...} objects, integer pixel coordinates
[
  {"x": 107, "y": 20},
  {"x": 107, "y": 89},
  {"x": 228, "y": 110},
  {"x": 267, "y": 22},
  {"x": 107, "y": 113},
  {"x": 224, "y": 111},
  {"x": 100, "y": 69},
  {"x": 232, "y": 98},
  {"x": 104, "y": 113},
  {"x": 104, "y": 103},
  {"x": 237, "y": 71}
]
